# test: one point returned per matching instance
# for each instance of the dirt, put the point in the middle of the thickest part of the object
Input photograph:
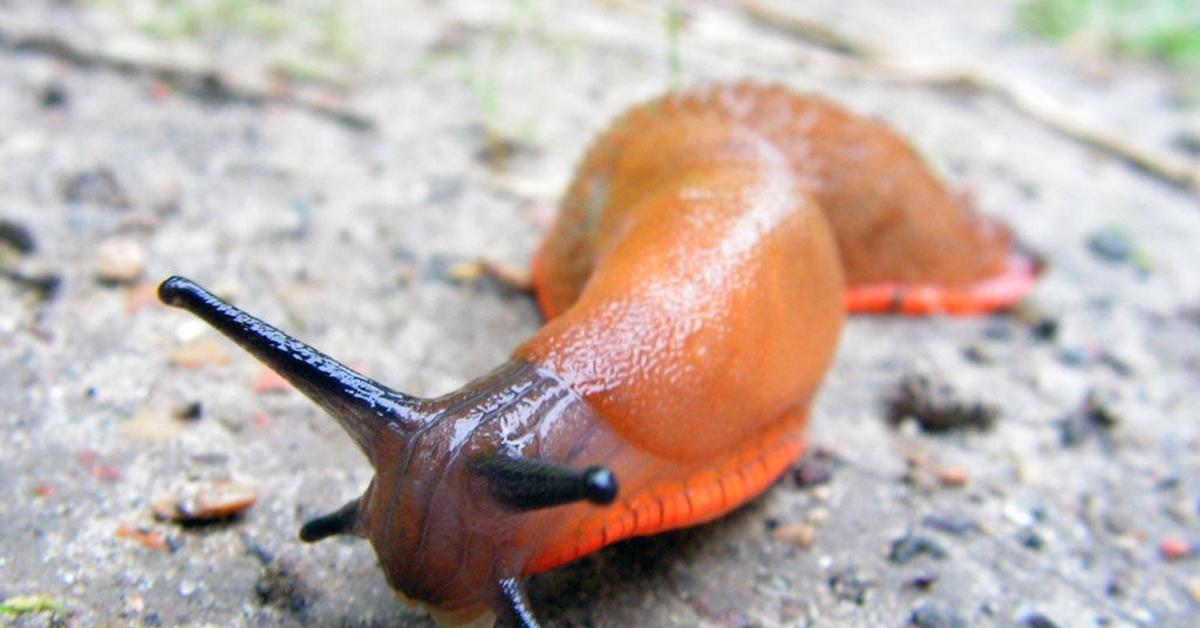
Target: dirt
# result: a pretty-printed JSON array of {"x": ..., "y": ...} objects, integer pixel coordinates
[{"x": 340, "y": 203}]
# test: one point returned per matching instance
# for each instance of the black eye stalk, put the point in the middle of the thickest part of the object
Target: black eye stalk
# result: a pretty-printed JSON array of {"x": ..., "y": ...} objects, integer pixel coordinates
[
  {"x": 528, "y": 484},
  {"x": 341, "y": 521},
  {"x": 360, "y": 404}
]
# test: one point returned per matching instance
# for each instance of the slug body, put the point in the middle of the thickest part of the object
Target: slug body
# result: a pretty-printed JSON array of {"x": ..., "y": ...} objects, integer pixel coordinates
[{"x": 696, "y": 283}]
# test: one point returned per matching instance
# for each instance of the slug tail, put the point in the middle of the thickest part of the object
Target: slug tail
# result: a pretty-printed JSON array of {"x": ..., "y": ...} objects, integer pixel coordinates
[{"x": 363, "y": 407}]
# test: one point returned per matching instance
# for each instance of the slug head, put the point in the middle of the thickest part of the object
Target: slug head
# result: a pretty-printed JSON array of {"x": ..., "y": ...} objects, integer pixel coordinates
[{"x": 466, "y": 485}]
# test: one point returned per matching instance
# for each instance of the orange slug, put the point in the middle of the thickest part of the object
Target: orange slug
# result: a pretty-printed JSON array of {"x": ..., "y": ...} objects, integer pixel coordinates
[{"x": 696, "y": 283}]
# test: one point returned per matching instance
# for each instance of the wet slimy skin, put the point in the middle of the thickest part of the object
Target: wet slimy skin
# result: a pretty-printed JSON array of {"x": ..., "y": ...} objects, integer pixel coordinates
[{"x": 696, "y": 282}]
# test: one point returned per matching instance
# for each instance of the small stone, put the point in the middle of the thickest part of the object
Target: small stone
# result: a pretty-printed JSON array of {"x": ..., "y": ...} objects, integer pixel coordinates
[
  {"x": 1173, "y": 548},
  {"x": 204, "y": 351},
  {"x": 280, "y": 586},
  {"x": 206, "y": 502},
  {"x": 135, "y": 604},
  {"x": 514, "y": 277},
  {"x": 847, "y": 585},
  {"x": 99, "y": 186},
  {"x": 52, "y": 96},
  {"x": 1045, "y": 328},
  {"x": 1074, "y": 357},
  {"x": 1094, "y": 416},
  {"x": 501, "y": 274},
  {"x": 815, "y": 468},
  {"x": 923, "y": 582},
  {"x": 1031, "y": 539},
  {"x": 17, "y": 236},
  {"x": 909, "y": 546},
  {"x": 930, "y": 616},
  {"x": 936, "y": 407},
  {"x": 796, "y": 534},
  {"x": 152, "y": 426},
  {"x": 190, "y": 412},
  {"x": 950, "y": 524},
  {"x": 953, "y": 476},
  {"x": 1038, "y": 620},
  {"x": 977, "y": 354},
  {"x": 97, "y": 469},
  {"x": 1110, "y": 245},
  {"x": 120, "y": 260},
  {"x": 147, "y": 537}
]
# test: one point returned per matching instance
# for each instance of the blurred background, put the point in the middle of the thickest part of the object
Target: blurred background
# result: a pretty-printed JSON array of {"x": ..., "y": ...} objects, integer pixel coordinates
[{"x": 373, "y": 176}]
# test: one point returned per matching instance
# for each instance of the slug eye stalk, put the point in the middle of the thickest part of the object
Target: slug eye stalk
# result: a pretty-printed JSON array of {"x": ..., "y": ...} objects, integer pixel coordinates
[
  {"x": 344, "y": 520},
  {"x": 361, "y": 405},
  {"x": 528, "y": 484}
]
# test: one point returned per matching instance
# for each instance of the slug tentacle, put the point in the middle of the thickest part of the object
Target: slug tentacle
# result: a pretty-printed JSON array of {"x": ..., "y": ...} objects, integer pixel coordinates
[
  {"x": 344, "y": 520},
  {"x": 361, "y": 405},
  {"x": 527, "y": 484},
  {"x": 517, "y": 611}
]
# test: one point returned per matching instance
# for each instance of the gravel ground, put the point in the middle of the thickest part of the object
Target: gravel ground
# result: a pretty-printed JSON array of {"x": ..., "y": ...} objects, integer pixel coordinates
[{"x": 336, "y": 172}]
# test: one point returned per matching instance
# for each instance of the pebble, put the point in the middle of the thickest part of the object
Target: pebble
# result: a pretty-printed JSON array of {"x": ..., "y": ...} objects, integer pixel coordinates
[
  {"x": 211, "y": 501},
  {"x": 847, "y": 585},
  {"x": 135, "y": 604},
  {"x": 17, "y": 236},
  {"x": 909, "y": 546},
  {"x": 1038, "y": 620},
  {"x": 953, "y": 476},
  {"x": 796, "y": 534},
  {"x": 936, "y": 407},
  {"x": 1031, "y": 539},
  {"x": 99, "y": 186},
  {"x": 930, "y": 616},
  {"x": 816, "y": 468},
  {"x": 950, "y": 524},
  {"x": 1173, "y": 548},
  {"x": 1094, "y": 416},
  {"x": 97, "y": 469},
  {"x": 502, "y": 274},
  {"x": 191, "y": 411},
  {"x": 978, "y": 354},
  {"x": 1110, "y": 245},
  {"x": 120, "y": 260},
  {"x": 205, "y": 351},
  {"x": 147, "y": 537},
  {"x": 53, "y": 95},
  {"x": 923, "y": 582},
  {"x": 153, "y": 426},
  {"x": 1045, "y": 329},
  {"x": 282, "y": 587},
  {"x": 187, "y": 587}
]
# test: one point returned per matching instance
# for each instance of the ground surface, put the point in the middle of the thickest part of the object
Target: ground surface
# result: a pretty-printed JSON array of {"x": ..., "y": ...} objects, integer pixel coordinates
[{"x": 428, "y": 134}]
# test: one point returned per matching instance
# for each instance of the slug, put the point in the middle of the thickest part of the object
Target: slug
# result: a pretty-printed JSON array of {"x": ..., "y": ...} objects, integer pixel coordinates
[{"x": 695, "y": 283}]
